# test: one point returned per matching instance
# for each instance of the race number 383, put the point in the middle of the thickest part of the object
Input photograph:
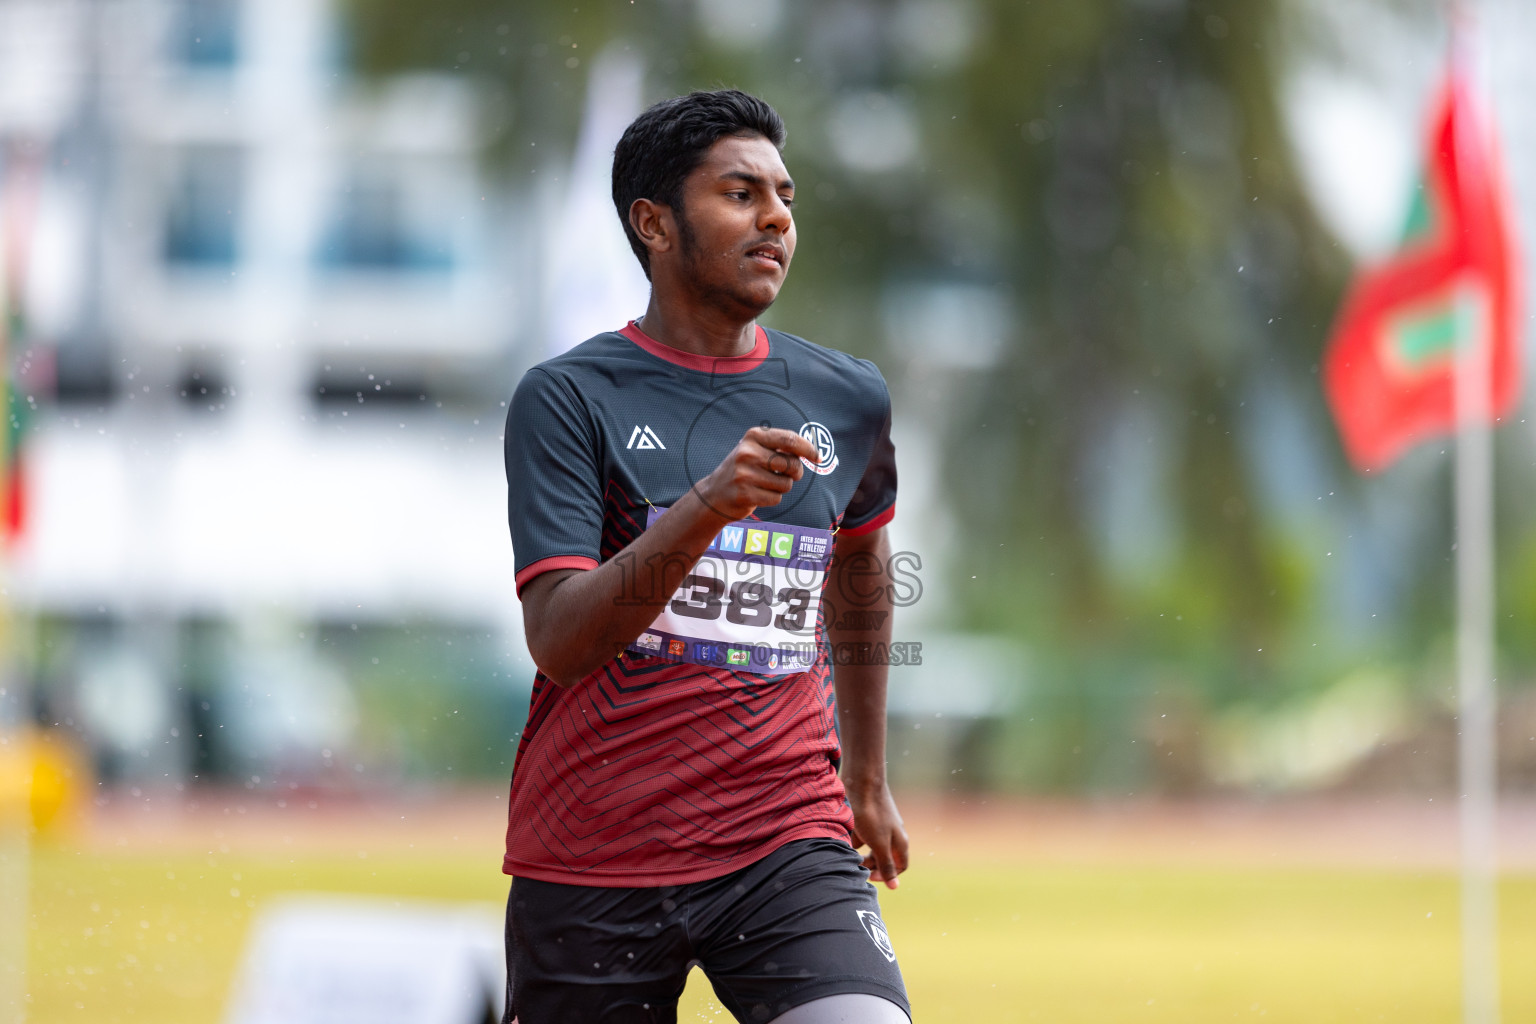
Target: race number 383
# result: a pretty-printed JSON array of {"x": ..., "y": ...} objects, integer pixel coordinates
[{"x": 749, "y": 603}]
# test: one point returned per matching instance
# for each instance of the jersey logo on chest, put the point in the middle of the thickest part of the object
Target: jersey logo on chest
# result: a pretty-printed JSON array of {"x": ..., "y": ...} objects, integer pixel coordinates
[
  {"x": 821, "y": 437},
  {"x": 644, "y": 439}
]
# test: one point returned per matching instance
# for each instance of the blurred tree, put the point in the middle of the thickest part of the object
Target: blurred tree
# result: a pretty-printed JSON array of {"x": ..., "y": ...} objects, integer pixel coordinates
[{"x": 1115, "y": 172}]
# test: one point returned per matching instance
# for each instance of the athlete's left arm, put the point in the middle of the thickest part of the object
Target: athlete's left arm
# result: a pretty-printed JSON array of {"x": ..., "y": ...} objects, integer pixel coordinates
[{"x": 859, "y": 628}]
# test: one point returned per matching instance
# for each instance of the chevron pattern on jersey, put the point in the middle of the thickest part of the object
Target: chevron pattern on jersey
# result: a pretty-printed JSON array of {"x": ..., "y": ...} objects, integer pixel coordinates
[{"x": 687, "y": 769}]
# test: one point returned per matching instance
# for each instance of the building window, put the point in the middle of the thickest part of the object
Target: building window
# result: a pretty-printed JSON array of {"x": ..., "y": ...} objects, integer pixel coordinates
[
  {"x": 206, "y": 33},
  {"x": 204, "y": 388},
  {"x": 377, "y": 226},
  {"x": 203, "y": 211}
]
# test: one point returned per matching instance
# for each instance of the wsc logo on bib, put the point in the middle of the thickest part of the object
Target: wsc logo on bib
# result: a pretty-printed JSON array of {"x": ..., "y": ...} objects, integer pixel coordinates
[{"x": 821, "y": 437}]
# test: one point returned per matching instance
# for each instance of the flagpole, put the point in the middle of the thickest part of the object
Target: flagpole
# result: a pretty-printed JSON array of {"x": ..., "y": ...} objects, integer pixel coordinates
[
  {"x": 1474, "y": 663},
  {"x": 1475, "y": 638}
]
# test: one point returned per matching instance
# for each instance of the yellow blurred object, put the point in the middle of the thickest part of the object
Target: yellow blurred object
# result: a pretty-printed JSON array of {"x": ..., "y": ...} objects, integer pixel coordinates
[
  {"x": 41, "y": 777},
  {"x": 15, "y": 775}
]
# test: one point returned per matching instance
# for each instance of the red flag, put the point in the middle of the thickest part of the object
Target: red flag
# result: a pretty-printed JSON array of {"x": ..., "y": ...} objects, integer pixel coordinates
[
  {"x": 1389, "y": 370},
  {"x": 20, "y": 186}
]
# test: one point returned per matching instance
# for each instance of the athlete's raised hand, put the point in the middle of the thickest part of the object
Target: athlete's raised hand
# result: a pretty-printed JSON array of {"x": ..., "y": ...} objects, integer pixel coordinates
[{"x": 760, "y": 470}]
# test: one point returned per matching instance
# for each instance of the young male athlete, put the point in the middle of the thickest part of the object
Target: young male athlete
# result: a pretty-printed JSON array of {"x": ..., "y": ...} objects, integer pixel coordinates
[{"x": 694, "y": 500}]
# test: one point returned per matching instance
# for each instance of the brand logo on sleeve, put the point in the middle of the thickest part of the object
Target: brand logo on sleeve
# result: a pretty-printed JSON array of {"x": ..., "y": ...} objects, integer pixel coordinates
[
  {"x": 821, "y": 437},
  {"x": 645, "y": 439}
]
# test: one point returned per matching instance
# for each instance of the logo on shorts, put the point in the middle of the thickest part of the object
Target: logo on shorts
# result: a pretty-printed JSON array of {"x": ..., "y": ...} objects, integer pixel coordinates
[
  {"x": 875, "y": 929},
  {"x": 821, "y": 437}
]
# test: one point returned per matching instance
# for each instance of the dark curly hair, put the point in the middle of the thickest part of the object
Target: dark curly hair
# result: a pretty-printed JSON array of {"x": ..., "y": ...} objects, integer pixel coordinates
[{"x": 662, "y": 146}]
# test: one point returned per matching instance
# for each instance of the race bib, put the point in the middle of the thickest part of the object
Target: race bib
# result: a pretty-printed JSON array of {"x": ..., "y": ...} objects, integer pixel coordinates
[{"x": 750, "y": 603}]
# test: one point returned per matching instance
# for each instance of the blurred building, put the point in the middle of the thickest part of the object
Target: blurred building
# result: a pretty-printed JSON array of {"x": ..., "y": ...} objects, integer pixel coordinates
[{"x": 267, "y": 323}]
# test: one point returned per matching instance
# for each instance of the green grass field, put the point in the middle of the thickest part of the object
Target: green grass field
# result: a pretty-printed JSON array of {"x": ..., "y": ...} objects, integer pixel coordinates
[{"x": 137, "y": 936}]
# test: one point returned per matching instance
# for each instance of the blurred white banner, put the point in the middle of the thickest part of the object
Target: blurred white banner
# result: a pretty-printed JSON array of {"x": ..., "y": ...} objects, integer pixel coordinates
[
  {"x": 330, "y": 960},
  {"x": 594, "y": 282}
]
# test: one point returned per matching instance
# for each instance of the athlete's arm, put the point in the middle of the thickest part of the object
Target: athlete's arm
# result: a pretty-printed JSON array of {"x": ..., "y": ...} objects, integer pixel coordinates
[
  {"x": 576, "y": 620},
  {"x": 858, "y": 583}
]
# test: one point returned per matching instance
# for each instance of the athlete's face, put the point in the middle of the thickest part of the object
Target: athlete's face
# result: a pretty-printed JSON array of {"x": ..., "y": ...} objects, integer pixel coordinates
[{"x": 737, "y": 234}]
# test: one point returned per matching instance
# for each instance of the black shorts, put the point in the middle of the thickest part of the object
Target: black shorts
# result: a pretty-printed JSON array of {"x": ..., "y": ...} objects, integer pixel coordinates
[{"x": 800, "y": 924}]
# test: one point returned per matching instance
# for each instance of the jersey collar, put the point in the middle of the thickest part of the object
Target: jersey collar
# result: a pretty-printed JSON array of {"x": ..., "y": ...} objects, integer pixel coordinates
[{"x": 705, "y": 364}]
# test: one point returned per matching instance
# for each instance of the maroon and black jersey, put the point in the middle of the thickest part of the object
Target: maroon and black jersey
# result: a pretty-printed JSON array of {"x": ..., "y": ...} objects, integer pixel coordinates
[{"x": 651, "y": 772}]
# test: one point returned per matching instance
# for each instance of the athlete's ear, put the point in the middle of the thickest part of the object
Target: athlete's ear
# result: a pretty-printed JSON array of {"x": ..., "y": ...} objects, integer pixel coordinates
[{"x": 654, "y": 223}]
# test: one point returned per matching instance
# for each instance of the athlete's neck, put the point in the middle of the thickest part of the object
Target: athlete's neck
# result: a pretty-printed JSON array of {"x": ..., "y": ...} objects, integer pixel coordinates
[{"x": 699, "y": 331}]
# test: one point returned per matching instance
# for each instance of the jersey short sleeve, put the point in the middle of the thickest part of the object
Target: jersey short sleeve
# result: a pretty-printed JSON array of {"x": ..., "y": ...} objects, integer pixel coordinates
[
  {"x": 554, "y": 490},
  {"x": 874, "y": 501}
]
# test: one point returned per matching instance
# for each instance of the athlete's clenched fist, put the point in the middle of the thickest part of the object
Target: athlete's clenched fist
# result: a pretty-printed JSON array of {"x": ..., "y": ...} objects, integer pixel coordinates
[{"x": 760, "y": 470}]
